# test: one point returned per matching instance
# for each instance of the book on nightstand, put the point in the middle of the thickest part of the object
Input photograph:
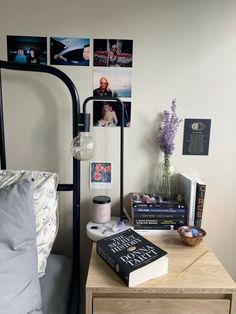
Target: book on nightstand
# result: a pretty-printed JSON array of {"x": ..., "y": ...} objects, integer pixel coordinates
[
  {"x": 187, "y": 189},
  {"x": 133, "y": 258},
  {"x": 200, "y": 199}
]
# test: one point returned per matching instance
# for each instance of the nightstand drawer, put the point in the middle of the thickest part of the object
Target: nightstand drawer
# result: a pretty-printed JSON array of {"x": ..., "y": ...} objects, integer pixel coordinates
[{"x": 160, "y": 306}]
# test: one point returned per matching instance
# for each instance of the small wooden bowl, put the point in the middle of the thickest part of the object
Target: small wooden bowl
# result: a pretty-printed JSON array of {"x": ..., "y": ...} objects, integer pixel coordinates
[{"x": 193, "y": 240}]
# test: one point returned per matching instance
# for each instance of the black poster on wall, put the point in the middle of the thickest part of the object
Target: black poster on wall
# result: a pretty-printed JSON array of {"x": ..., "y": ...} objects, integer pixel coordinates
[{"x": 196, "y": 136}]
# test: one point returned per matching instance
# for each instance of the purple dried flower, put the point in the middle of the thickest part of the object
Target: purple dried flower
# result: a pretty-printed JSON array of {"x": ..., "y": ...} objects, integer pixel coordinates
[{"x": 168, "y": 130}]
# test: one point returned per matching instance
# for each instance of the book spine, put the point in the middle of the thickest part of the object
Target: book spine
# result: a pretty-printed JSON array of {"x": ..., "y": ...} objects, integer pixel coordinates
[
  {"x": 159, "y": 221},
  {"x": 200, "y": 198},
  {"x": 159, "y": 205},
  {"x": 157, "y": 227},
  {"x": 146, "y": 232},
  {"x": 158, "y": 210},
  {"x": 153, "y": 215},
  {"x": 113, "y": 264},
  {"x": 192, "y": 202}
]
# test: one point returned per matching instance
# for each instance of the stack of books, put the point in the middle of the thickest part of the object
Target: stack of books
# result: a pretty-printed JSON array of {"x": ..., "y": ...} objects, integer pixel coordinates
[
  {"x": 151, "y": 215},
  {"x": 149, "y": 212}
]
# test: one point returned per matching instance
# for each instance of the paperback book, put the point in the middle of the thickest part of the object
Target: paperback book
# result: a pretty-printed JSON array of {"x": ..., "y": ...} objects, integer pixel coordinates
[
  {"x": 187, "y": 189},
  {"x": 157, "y": 227},
  {"x": 133, "y": 258},
  {"x": 200, "y": 199},
  {"x": 159, "y": 222}
]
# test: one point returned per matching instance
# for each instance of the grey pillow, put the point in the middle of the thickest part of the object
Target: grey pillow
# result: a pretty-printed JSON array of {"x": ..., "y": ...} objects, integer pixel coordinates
[{"x": 19, "y": 282}]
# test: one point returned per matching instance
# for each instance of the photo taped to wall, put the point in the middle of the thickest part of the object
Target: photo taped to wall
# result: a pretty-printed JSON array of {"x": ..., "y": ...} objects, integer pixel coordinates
[
  {"x": 69, "y": 51},
  {"x": 108, "y": 114},
  {"x": 112, "y": 83},
  {"x": 27, "y": 49},
  {"x": 113, "y": 52},
  {"x": 100, "y": 175}
]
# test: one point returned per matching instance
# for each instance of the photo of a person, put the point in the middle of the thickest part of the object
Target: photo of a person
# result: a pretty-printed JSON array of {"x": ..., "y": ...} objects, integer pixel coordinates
[
  {"x": 20, "y": 56},
  {"x": 104, "y": 89},
  {"x": 112, "y": 57},
  {"x": 86, "y": 55},
  {"x": 27, "y": 49},
  {"x": 33, "y": 56},
  {"x": 112, "y": 83},
  {"x": 113, "y": 52},
  {"x": 69, "y": 51},
  {"x": 109, "y": 117},
  {"x": 108, "y": 114}
]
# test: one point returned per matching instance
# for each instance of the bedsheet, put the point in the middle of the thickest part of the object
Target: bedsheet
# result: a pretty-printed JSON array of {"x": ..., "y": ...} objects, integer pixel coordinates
[{"x": 55, "y": 284}]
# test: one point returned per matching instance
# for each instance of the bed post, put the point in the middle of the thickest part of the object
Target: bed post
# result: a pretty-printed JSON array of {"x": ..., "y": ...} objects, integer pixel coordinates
[
  {"x": 75, "y": 289},
  {"x": 2, "y": 137}
]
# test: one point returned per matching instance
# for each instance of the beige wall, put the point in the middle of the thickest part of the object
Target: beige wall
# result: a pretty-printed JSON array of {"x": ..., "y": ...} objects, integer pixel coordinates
[{"x": 183, "y": 49}]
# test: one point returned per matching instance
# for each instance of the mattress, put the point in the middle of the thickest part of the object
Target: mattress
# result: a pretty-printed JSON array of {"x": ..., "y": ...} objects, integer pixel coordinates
[{"x": 55, "y": 284}]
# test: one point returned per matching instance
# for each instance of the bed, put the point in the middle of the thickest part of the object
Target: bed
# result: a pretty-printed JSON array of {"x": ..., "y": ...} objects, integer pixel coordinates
[{"x": 57, "y": 291}]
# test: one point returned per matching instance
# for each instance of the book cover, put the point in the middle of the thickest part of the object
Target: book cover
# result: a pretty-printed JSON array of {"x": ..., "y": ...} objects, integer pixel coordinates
[
  {"x": 200, "y": 198},
  {"x": 132, "y": 257},
  {"x": 187, "y": 189}
]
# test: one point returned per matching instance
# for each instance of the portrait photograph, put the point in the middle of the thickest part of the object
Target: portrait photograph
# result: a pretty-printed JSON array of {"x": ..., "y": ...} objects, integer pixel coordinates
[
  {"x": 69, "y": 51},
  {"x": 27, "y": 49},
  {"x": 108, "y": 114},
  {"x": 112, "y": 83},
  {"x": 100, "y": 175},
  {"x": 113, "y": 53}
]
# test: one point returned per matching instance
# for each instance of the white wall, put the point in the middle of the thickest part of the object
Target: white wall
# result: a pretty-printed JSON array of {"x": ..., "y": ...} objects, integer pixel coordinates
[{"x": 183, "y": 49}]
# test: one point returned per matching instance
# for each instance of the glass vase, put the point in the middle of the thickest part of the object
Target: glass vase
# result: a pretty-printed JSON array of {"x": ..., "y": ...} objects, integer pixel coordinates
[{"x": 165, "y": 172}]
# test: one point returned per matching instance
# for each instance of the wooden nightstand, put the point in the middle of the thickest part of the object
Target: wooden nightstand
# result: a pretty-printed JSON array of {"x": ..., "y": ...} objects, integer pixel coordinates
[{"x": 204, "y": 288}]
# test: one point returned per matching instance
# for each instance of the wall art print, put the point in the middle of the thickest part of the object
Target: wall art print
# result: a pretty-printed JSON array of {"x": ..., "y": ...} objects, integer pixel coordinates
[
  {"x": 100, "y": 175},
  {"x": 196, "y": 136},
  {"x": 27, "y": 49}
]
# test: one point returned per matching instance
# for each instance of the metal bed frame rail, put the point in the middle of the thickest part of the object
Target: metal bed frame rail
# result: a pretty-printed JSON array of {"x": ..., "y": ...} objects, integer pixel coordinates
[{"x": 75, "y": 289}]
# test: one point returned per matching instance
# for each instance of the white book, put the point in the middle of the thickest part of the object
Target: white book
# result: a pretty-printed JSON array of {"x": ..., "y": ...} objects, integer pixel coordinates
[
  {"x": 156, "y": 232},
  {"x": 187, "y": 189}
]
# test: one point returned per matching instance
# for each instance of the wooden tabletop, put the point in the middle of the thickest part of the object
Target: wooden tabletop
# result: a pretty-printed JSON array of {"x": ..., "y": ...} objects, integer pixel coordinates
[{"x": 191, "y": 270}]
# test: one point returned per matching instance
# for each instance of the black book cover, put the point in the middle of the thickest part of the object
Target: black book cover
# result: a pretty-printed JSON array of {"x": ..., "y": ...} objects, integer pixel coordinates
[
  {"x": 132, "y": 257},
  {"x": 200, "y": 198}
]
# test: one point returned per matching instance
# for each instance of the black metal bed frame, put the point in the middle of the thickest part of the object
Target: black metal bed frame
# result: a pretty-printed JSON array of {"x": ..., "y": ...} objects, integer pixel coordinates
[{"x": 75, "y": 289}]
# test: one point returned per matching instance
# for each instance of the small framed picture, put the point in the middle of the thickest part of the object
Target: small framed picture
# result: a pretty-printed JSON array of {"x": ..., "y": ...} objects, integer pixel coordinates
[
  {"x": 196, "y": 136},
  {"x": 100, "y": 175}
]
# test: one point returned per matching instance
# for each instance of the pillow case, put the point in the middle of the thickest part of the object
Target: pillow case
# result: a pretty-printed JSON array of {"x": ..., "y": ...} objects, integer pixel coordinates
[
  {"x": 19, "y": 282},
  {"x": 45, "y": 201}
]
